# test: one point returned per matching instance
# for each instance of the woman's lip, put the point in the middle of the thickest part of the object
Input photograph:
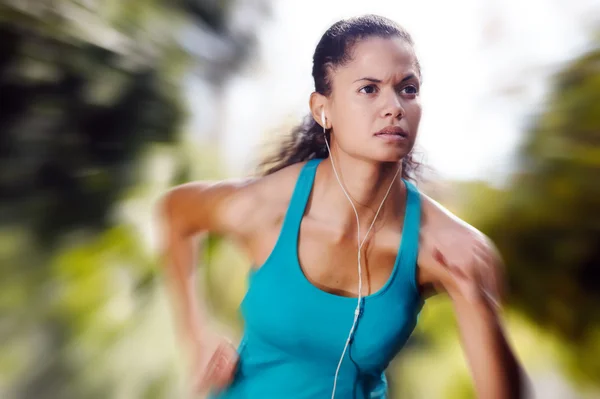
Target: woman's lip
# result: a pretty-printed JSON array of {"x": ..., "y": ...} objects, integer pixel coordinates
[
  {"x": 392, "y": 130},
  {"x": 391, "y": 137},
  {"x": 391, "y": 134}
]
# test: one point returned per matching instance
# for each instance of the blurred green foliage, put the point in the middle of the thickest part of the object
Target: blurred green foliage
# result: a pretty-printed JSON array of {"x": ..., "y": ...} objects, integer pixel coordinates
[
  {"x": 85, "y": 87},
  {"x": 88, "y": 90},
  {"x": 74, "y": 116},
  {"x": 546, "y": 222}
]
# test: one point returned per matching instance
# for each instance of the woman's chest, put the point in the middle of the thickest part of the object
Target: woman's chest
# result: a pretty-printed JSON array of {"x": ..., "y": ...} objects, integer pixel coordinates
[
  {"x": 306, "y": 323},
  {"x": 329, "y": 258}
]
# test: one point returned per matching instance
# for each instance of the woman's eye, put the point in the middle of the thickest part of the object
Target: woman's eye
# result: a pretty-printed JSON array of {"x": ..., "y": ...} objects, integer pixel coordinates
[
  {"x": 370, "y": 89},
  {"x": 410, "y": 90}
]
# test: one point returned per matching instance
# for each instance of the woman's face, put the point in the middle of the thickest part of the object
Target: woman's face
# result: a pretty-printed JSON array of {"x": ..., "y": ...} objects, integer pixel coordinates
[{"x": 378, "y": 89}]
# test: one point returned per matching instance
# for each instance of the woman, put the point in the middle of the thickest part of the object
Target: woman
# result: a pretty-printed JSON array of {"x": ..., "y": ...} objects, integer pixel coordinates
[{"x": 345, "y": 248}]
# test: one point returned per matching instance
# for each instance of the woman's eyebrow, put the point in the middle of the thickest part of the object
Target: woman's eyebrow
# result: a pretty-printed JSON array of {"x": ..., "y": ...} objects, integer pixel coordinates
[{"x": 374, "y": 80}]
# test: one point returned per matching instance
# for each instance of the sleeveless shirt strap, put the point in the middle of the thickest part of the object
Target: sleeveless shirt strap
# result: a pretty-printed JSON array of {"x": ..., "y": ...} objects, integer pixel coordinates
[
  {"x": 412, "y": 226},
  {"x": 297, "y": 206}
]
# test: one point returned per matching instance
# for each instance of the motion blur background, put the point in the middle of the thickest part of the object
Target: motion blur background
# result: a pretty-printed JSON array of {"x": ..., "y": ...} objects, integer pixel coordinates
[{"x": 104, "y": 104}]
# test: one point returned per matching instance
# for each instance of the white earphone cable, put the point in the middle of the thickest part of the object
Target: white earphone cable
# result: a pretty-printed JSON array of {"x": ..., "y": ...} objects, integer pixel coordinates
[{"x": 360, "y": 245}]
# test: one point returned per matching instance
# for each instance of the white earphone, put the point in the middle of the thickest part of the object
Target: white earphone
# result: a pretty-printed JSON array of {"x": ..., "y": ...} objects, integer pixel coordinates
[{"x": 360, "y": 245}]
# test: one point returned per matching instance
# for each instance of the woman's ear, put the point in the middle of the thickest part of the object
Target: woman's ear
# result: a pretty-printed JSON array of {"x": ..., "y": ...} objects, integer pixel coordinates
[{"x": 318, "y": 109}]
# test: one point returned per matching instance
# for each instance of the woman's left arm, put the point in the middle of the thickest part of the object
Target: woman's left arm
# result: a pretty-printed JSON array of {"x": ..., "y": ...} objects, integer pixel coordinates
[
  {"x": 495, "y": 369},
  {"x": 458, "y": 259}
]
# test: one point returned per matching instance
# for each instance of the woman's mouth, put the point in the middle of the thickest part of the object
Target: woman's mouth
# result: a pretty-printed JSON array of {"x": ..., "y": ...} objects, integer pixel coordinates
[{"x": 392, "y": 134}]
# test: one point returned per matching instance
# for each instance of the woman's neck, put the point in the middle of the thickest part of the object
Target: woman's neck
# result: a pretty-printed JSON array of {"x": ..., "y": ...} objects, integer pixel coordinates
[{"x": 366, "y": 182}]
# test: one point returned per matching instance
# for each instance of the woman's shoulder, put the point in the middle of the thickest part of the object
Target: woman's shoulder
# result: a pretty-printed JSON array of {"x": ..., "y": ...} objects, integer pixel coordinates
[
  {"x": 260, "y": 199},
  {"x": 280, "y": 184},
  {"x": 435, "y": 215},
  {"x": 254, "y": 190},
  {"x": 445, "y": 237},
  {"x": 236, "y": 206}
]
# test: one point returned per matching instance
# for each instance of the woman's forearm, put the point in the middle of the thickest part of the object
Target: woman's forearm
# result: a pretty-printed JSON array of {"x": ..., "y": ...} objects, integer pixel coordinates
[
  {"x": 179, "y": 255},
  {"x": 494, "y": 367},
  {"x": 181, "y": 280}
]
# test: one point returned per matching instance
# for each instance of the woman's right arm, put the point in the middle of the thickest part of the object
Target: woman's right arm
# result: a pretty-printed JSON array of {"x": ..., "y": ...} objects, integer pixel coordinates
[{"x": 186, "y": 212}]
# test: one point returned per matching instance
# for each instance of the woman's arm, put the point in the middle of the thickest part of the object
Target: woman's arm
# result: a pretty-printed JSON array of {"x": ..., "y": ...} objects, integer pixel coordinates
[
  {"x": 457, "y": 259},
  {"x": 186, "y": 212},
  {"x": 458, "y": 241},
  {"x": 495, "y": 369}
]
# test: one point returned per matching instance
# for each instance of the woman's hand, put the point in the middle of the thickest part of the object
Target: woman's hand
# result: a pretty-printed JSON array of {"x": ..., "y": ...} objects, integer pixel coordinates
[{"x": 214, "y": 363}]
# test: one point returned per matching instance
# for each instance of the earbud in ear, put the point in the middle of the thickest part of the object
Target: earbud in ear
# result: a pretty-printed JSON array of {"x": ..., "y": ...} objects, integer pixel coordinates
[{"x": 323, "y": 120}]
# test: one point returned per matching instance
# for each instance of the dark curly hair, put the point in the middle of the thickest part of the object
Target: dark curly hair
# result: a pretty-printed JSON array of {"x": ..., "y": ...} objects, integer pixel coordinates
[{"x": 334, "y": 50}]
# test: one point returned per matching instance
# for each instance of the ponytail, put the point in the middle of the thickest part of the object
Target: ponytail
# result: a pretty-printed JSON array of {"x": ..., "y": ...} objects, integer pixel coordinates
[{"x": 305, "y": 142}]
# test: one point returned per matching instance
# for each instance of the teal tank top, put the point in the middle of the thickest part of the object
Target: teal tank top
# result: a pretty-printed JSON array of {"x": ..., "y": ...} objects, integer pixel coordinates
[{"x": 294, "y": 332}]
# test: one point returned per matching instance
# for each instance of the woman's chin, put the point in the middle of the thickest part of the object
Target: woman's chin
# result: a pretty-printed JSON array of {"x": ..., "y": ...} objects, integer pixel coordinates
[
  {"x": 395, "y": 155},
  {"x": 391, "y": 156}
]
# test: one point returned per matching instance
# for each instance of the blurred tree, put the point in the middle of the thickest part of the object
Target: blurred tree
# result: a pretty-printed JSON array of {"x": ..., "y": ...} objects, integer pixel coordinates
[
  {"x": 547, "y": 222},
  {"x": 86, "y": 88}
]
